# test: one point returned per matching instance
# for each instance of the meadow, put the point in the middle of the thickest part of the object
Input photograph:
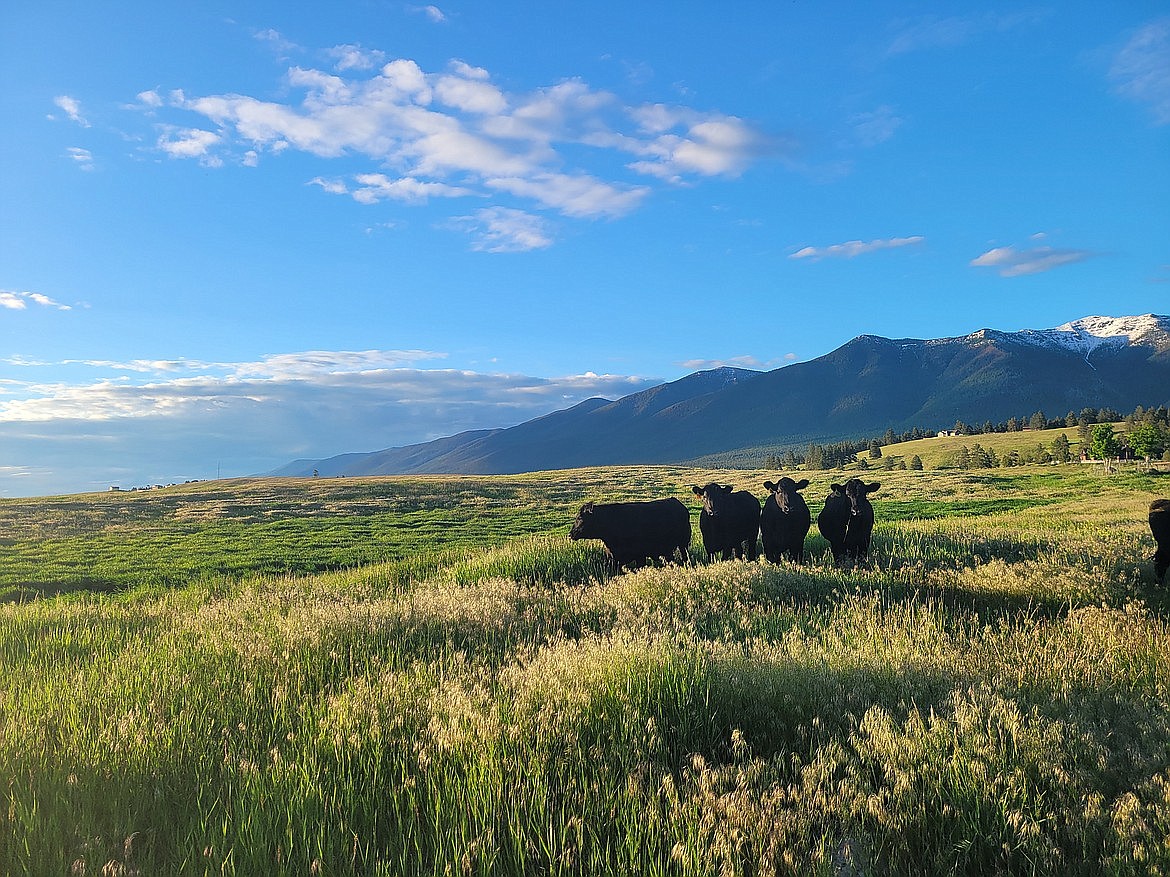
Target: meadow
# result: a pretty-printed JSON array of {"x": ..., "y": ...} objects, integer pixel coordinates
[{"x": 424, "y": 676}]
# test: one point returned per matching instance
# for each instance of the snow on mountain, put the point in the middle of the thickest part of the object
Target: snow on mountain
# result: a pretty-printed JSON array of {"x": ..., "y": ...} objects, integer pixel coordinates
[{"x": 1087, "y": 334}]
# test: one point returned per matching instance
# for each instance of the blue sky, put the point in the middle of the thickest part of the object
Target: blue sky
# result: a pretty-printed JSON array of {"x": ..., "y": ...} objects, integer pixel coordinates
[{"x": 236, "y": 234}]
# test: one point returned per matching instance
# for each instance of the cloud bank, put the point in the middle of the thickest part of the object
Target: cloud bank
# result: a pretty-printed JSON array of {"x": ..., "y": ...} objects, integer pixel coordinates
[{"x": 142, "y": 422}]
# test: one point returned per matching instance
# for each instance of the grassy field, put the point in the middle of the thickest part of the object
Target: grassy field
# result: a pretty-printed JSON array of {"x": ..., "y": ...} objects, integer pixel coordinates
[
  {"x": 935, "y": 452},
  {"x": 425, "y": 676}
]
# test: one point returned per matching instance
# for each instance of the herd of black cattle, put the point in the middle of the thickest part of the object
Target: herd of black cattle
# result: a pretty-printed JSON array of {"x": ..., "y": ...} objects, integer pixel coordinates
[{"x": 733, "y": 524}]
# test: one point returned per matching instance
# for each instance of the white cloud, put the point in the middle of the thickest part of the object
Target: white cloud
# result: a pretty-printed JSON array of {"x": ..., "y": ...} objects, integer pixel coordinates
[
  {"x": 142, "y": 366},
  {"x": 255, "y": 416},
  {"x": 504, "y": 230},
  {"x": 83, "y": 158},
  {"x": 573, "y": 195},
  {"x": 188, "y": 143},
  {"x": 277, "y": 41},
  {"x": 19, "y": 301},
  {"x": 455, "y": 133},
  {"x": 434, "y": 13},
  {"x": 72, "y": 108},
  {"x": 744, "y": 361},
  {"x": 876, "y": 127},
  {"x": 332, "y": 362},
  {"x": 852, "y": 249},
  {"x": 688, "y": 143},
  {"x": 150, "y": 98},
  {"x": 356, "y": 58},
  {"x": 1013, "y": 262},
  {"x": 379, "y": 187},
  {"x": 466, "y": 70},
  {"x": 1141, "y": 70},
  {"x": 935, "y": 32},
  {"x": 472, "y": 95}
]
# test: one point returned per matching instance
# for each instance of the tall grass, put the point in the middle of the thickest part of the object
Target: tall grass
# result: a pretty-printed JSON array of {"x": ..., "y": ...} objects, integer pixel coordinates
[{"x": 989, "y": 694}]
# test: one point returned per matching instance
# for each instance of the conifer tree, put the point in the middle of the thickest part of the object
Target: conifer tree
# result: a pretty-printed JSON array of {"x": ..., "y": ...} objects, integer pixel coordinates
[{"x": 1060, "y": 449}]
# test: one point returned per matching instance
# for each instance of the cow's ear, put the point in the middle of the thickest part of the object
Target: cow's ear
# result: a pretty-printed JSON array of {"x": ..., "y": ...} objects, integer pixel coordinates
[
  {"x": 872, "y": 486},
  {"x": 836, "y": 488},
  {"x": 698, "y": 491},
  {"x": 802, "y": 484},
  {"x": 727, "y": 488},
  {"x": 587, "y": 509},
  {"x": 769, "y": 486}
]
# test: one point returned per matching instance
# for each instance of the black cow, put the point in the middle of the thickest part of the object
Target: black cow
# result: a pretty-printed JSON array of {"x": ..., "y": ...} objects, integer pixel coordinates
[
  {"x": 729, "y": 522},
  {"x": 636, "y": 531},
  {"x": 860, "y": 526},
  {"x": 1160, "y": 527},
  {"x": 833, "y": 519},
  {"x": 785, "y": 520},
  {"x": 847, "y": 519}
]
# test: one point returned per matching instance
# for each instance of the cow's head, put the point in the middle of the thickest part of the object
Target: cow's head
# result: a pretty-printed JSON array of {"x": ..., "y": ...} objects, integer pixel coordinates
[
  {"x": 715, "y": 497},
  {"x": 785, "y": 490},
  {"x": 583, "y": 526},
  {"x": 858, "y": 491}
]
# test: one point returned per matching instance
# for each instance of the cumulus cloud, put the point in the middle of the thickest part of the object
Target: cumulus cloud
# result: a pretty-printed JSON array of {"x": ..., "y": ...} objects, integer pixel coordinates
[
  {"x": 468, "y": 90},
  {"x": 19, "y": 301},
  {"x": 1141, "y": 70},
  {"x": 349, "y": 57},
  {"x": 456, "y": 133},
  {"x": 182, "y": 419},
  {"x": 189, "y": 143},
  {"x": 150, "y": 98},
  {"x": 1016, "y": 262},
  {"x": 852, "y": 249}
]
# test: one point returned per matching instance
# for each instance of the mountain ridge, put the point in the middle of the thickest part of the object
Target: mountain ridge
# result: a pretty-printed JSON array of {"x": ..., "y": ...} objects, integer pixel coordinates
[{"x": 865, "y": 386}]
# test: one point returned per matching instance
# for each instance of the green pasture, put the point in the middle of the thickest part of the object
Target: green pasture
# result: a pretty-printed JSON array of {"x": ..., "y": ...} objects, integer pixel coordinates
[
  {"x": 938, "y": 451},
  {"x": 424, "y": 676}
]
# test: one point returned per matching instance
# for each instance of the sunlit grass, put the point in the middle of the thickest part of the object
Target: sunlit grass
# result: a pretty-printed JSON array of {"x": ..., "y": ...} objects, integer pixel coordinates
[{"x": 990, "y": 693}]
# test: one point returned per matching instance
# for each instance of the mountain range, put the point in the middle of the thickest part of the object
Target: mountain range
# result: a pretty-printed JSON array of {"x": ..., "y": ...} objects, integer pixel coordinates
[{"x": 866, "y": 386}]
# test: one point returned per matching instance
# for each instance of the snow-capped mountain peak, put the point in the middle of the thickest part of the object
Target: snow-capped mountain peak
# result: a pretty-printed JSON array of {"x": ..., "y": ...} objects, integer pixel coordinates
[{"x": 1087, "y": 334}]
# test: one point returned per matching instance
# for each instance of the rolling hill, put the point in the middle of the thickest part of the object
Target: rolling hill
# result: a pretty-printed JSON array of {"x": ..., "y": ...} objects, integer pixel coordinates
[{"x": 862, "y": 388}]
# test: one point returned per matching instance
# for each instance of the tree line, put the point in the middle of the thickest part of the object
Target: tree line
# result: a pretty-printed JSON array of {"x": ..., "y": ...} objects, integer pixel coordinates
[{"x": 1146, "y": 436}]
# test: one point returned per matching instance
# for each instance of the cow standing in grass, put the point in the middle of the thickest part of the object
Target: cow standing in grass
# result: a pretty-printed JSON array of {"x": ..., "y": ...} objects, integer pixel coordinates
[
  {"x": 634, "y": 532},
  {"x": 833, "y": 519},
  {"x": 847, "y": 519},
  {"x": 785, "y": 520},
  {"x": 860, "y": 527},
  {"x": 729, "y": 522},
  {"x": 1160, "y": 527}
]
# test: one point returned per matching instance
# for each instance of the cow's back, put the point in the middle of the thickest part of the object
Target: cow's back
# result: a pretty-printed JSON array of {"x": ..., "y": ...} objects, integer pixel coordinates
[{"x": 641, "y": 530}]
